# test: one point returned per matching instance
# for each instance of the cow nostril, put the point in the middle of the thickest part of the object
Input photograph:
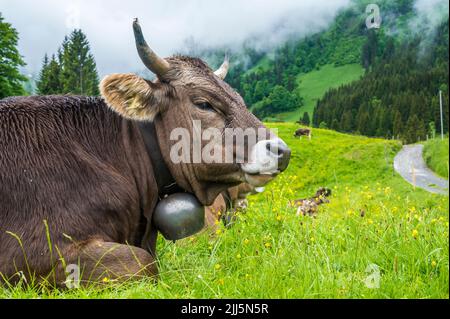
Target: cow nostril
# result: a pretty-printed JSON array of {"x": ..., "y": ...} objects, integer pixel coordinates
[{"x": 275, "y": 148}]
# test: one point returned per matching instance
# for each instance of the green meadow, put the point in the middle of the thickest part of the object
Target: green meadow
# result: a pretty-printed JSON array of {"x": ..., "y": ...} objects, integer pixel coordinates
[
  {"x": 377, "y": 238},
  {"x": 313, "y": 85}
]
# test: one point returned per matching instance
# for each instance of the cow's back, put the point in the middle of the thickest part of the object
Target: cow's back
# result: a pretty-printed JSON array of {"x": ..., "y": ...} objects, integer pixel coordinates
[{"x": 64, "y": 162}]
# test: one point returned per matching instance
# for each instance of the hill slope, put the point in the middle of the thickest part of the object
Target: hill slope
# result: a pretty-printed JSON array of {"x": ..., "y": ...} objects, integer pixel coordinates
[
  {"x": 435, "y": 154},
  {"x": 374, "y": 218},
  {"x": 313, "y": 85}
]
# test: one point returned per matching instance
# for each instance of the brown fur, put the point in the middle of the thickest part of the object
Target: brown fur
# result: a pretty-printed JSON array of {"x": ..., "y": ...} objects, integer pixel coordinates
[
  {"x": 302, "y": 132},
  {"x": 73, "y": 163}
]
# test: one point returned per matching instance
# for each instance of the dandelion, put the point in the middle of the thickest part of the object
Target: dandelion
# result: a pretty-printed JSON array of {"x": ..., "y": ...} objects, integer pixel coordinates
[
  {"x": 105, "y": 279},
  {"x": 267, "y": 245},
  {"x": 219, "y": 231},
  {"x": 217, "y": 266},
  {"x": 415, "y": 233},
  {"x": 433, "y": 263},
  {"x": 278, "y": 217},
  {"x": 370, "y": 221},
  {"x": 221, "y": 281},
  {"x": 246, "y": 241}
]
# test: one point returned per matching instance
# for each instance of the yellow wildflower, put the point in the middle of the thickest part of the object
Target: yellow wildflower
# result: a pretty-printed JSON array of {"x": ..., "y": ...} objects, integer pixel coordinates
[{"x": 415, "y": 233}]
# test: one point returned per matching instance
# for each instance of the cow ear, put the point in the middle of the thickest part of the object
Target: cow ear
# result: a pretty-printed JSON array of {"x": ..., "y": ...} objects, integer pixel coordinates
[{"x": 133, "y": 97}]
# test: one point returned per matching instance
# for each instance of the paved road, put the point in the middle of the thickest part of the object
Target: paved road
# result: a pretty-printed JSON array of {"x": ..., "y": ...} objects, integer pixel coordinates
[{"x": 410, "y": 165}]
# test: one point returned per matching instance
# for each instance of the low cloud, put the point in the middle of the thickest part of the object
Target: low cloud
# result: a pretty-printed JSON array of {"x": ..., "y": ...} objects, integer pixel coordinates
[{"x": 43, "y": 24}]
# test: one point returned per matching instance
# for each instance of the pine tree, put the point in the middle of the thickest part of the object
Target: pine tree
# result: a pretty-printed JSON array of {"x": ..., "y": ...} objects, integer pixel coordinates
[
  {"x": 415, "y": 130},
  {"x": 10, "y": 61},
  {"x": 397, "y": 126},
  {"x": 305, "y": 119},
  {"x": 369, "y": 50},
  {"x": 50, "y": 77},
  {"x": 346, "y": 121},
  {"x": 79, "y": 73},
  {"x": 72, "y": 70}
]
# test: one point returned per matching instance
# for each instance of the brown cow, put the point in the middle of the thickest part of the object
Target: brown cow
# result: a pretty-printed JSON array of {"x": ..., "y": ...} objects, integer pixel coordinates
[
  {"x": 80, "y": 176},
  {"x": 302, "y": 132},
  {"x": 309, "y": 206}
]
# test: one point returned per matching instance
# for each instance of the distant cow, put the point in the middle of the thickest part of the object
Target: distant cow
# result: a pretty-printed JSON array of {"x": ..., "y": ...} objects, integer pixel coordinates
[
  {"x": 302, "y": 132},
  {"x": 309, "y": 206},
  {"x": 80, "y": 176}
]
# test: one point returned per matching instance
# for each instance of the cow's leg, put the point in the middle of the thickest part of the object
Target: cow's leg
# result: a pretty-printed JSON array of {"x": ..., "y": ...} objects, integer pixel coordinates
[{"x": 103, "y": 262}]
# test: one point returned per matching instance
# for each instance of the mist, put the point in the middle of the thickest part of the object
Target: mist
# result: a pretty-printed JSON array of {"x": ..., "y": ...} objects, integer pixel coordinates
[
  {"x": 168, "y": 25},
  {"x": 429, "y": 15}
]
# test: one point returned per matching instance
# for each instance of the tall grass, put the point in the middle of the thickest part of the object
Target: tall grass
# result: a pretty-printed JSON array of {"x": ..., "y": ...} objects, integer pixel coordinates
[{"x": 435, "y": 153}]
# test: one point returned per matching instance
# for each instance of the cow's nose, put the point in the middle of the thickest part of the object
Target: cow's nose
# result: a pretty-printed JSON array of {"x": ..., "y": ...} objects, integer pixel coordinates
[{"x": 280, "y": 150}]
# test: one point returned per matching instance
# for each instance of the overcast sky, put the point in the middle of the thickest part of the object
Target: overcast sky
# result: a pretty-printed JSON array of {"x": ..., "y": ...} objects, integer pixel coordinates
[{"x": 42, "y": 25}]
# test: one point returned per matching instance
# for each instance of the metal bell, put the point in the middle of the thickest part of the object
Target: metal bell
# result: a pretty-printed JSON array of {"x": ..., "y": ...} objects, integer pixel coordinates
[{"x": 179, "y": 216}]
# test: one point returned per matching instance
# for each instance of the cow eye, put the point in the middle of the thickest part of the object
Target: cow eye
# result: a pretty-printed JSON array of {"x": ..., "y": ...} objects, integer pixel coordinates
[{"x": 205, "y": 106}]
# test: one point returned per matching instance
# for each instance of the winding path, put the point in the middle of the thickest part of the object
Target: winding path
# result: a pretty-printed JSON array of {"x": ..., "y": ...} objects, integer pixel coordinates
[{"x": 411, "y": 166}]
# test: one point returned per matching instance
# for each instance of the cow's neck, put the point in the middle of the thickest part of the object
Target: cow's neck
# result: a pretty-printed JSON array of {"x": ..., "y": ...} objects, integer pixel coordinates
[{"x": 166, "y": 182}]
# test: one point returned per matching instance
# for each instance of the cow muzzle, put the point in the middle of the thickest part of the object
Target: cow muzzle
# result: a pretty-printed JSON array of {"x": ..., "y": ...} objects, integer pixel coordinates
[{"x": 267, "y": 159}]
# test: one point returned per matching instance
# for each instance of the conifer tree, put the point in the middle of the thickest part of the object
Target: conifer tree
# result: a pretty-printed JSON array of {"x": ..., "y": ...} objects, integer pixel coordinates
[
  {"x": 72, "y": 70},
  {"x": 10, "y": 61},
  {"x": 79, "y": 73},
  {"x": 305, "y": 119},
  {"x": 50, "y": 77}
]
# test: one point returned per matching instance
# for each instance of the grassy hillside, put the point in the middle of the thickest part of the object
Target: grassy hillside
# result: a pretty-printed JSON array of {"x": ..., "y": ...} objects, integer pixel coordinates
[
  {"x": 374, "y": 218},
  {"x": 313, "y": 85},
  {"x": 435, "y": 154}
]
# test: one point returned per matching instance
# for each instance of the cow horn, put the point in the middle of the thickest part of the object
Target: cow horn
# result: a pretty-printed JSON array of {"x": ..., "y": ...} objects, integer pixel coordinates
[
  {"x": 151, "y": 60},
  {"x": 223, "y": 70}
]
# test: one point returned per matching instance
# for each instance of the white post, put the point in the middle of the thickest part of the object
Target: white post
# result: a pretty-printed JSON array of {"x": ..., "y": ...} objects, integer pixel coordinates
[{"x": 442, "y": 121}]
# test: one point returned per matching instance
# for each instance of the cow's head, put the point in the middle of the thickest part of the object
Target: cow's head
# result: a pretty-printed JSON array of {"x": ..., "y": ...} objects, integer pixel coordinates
[{"x": 187, "y": 90}]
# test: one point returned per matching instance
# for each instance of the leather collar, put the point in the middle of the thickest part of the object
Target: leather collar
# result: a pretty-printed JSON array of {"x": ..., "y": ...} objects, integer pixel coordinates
[{"x": 164, "y": 179}]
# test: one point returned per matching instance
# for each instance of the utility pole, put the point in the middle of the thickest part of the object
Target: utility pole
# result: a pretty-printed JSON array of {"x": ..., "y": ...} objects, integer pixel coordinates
[{"x": 442, "y": 121}]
